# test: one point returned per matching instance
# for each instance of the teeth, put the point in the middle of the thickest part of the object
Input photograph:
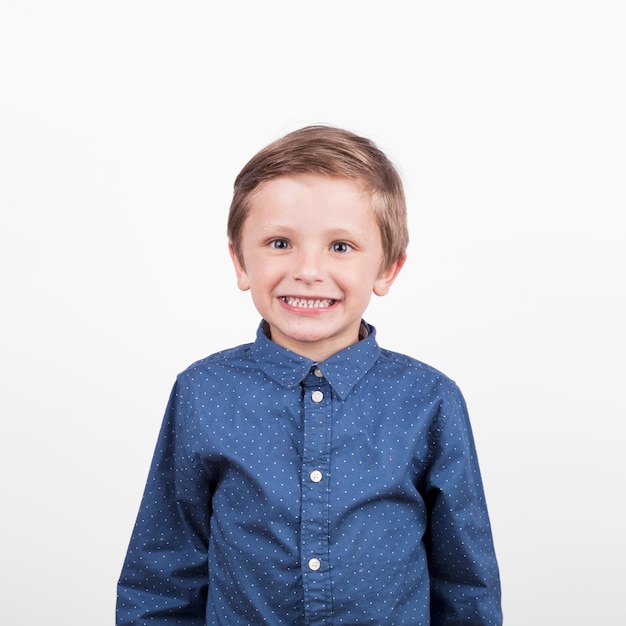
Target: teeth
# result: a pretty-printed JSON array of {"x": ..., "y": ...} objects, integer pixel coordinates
[{"x": 305, "y": 303}]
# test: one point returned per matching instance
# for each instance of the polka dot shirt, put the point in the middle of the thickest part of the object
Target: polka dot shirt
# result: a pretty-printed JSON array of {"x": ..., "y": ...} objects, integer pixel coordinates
[{"x": 284, "y": 491}]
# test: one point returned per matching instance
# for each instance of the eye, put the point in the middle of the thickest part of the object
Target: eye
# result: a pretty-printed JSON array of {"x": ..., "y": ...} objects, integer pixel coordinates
[
  {"x": 341, "y": 246},
  {"x": 279, "y": 244}
]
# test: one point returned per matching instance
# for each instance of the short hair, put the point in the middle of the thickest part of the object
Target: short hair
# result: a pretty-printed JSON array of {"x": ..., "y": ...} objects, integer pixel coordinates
[{"x": 327, "y": 151}]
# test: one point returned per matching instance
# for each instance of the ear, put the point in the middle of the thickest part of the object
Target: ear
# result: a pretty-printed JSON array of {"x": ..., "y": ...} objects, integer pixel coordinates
[
  {"x": 243, "y": 281},
  {"x": 387, "y": 276}
]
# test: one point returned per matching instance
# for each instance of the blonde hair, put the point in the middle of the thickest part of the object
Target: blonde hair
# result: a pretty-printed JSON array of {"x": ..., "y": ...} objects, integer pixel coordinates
[{"x": 331, "y": 152}]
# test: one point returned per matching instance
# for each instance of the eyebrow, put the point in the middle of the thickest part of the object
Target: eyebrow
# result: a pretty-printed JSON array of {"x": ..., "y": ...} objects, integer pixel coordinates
[
  {"x": 333, "y": 233},
  {"x": 344, "y": 233}
]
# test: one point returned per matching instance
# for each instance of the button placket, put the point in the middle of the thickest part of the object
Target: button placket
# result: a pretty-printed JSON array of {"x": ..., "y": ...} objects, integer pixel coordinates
[{"x": 315, "y": 495}]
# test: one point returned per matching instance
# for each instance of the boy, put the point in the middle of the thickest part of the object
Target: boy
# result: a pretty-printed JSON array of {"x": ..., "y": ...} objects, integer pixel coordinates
[{"x": 312, "y": 477}]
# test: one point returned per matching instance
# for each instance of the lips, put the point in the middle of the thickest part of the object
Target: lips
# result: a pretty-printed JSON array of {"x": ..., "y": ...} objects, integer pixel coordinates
[{"x": 308, "y": 303}]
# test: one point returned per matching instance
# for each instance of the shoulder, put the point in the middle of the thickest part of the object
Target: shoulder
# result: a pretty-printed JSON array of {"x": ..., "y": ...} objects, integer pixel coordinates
[
  {"x": 409, "y": 364},
  {"x": 412, "y": 371},
  {"x": 231, "y": 359},
  {"x": 427, "y": 388}
]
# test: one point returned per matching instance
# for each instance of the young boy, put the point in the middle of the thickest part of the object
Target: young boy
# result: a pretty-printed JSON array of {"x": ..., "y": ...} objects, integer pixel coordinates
[{"x": 312, "y": 477}]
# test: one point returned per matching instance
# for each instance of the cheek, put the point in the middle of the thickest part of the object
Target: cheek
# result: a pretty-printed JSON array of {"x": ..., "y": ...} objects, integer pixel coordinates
[
  {"x": 358, "y": 283},
  {"x": 266, "y": 277}
]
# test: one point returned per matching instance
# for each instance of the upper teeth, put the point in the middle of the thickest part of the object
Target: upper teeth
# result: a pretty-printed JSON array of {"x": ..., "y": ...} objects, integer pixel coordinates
[{"x": 305, "y": 302}]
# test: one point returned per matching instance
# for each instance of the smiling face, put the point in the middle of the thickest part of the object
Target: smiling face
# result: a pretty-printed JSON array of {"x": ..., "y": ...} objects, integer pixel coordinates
[{"x": 311, "y": 255}]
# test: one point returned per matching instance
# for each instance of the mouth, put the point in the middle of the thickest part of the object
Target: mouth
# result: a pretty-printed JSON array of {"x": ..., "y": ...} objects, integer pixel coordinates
[{"x": 308, "y": 303}]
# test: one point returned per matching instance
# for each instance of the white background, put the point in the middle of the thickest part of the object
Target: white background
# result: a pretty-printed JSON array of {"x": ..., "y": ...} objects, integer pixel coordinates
[{"x": 122, "y": 127}]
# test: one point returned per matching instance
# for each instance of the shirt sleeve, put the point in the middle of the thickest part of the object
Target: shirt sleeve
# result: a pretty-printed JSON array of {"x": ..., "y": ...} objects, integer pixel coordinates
[
  {"x": 465, "y": 583},
  {"x": 164, "y": 578}
]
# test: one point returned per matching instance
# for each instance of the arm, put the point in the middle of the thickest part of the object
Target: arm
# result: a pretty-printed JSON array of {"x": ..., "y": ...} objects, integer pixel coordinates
[
  {"x": 164, "y": 579},
  {"x": 465, "y": 584}
]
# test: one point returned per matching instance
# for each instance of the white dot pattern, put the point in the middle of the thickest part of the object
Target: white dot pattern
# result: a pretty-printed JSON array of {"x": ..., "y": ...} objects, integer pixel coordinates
[{"x": 284, "y": 491}]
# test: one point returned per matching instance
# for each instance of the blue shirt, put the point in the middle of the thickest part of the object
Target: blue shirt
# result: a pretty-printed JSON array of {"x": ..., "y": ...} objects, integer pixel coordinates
[{"x": 284, "y": 491}]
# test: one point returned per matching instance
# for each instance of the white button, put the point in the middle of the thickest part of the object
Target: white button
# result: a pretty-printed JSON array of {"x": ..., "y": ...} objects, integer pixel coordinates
[
  {"x": 314, "y": 564},
  {"x": 318, "y": 372},
  {"x": 316, "y": 476},
  {"x": 317, "y": 396}
]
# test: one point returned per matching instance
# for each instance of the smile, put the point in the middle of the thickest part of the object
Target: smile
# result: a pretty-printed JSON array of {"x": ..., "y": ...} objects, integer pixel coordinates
[{"x": 307, "y": 303}]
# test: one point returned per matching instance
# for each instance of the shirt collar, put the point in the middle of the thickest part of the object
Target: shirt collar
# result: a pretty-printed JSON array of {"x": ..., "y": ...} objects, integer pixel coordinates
[{"x": 342, "y": 370}]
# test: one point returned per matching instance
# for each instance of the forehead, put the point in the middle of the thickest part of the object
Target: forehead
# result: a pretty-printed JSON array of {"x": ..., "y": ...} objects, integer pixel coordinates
[{"x": 330, "y": 196}]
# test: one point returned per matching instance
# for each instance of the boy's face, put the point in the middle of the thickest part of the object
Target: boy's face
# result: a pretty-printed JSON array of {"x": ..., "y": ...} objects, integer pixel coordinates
[{"x": 311, "y": 255}]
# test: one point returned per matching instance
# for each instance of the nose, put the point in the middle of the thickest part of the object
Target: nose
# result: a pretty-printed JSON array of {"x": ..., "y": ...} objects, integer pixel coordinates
[{"x": 308, "y": 266}]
